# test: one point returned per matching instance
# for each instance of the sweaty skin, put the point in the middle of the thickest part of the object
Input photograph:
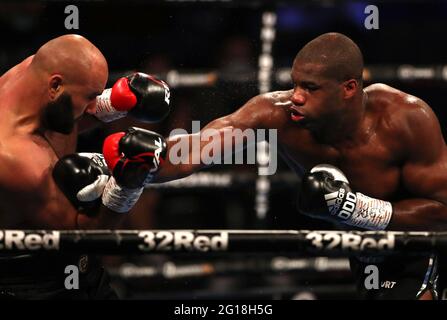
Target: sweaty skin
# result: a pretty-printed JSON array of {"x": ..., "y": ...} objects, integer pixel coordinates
[
  {"x": 29, "y": 197},
  {"x": 388, "y": 143}
]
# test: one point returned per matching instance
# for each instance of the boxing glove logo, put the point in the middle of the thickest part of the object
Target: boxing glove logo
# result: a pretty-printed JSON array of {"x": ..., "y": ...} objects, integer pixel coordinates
[
  {"x": 167, "y": 93},
  {"x": 347, "y": 201},
  {"x": 157, "y": 159}
]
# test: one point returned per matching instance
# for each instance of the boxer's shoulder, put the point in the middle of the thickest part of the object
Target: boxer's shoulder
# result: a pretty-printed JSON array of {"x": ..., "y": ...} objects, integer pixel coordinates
[
  {"x": 385, "y": 95},
  {"x": 17, "y": 69},
  {"x": 265, "y": 110},
  {"x": 275, "y": 97},
  {"x": 275, "y": 105},
  {"x": 397, "y": 107},
  {"x": 387, "y": 98},
  {"x": 408, "y": 119}
]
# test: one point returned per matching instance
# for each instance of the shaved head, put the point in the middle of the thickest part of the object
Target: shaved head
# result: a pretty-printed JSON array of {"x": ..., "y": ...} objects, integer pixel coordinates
[
  {"x": 328, "y": 87},
  {"x": 72, "y": 56},
  {"x": 73, "y": 72},
  {"x": 338, "y": 56}
]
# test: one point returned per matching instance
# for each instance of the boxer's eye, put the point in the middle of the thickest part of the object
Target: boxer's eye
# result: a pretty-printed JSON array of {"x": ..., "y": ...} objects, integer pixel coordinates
[{"x": 309, "y": 86}]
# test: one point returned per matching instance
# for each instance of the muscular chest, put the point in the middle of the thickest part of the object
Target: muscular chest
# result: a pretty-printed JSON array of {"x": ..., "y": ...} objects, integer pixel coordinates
[
  {"x": 43, "y": 158},
  {"x": 35, "y": 198},
  {"x": 371, "y": 167}
]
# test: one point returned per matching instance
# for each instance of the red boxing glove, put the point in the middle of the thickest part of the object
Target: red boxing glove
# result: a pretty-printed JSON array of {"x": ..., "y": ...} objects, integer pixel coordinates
[
  {"x": 142, "y": 96},
  {"x": 133, "y": 157}
]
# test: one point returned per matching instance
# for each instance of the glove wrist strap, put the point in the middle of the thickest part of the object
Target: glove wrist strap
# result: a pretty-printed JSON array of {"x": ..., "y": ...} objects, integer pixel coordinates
[
  {"x": 118, "y": 198},
  {"x": 366, "y": 212},
  {"x": 104, "y": 109}
]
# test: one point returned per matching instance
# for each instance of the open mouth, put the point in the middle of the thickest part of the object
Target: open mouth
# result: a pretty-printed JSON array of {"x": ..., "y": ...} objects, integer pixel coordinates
[{"x": 296, "y": 115}]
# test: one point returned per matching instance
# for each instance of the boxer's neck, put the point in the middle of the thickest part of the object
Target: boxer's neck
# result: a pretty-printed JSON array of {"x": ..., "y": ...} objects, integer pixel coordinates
[{"x": 348, "y": 129}]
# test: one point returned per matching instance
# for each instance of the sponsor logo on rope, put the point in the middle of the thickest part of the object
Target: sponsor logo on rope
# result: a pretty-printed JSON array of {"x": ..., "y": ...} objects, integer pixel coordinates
[
  {"x": 21, "y": 240},
  {"x": 182, "y": 241},
  {"x": 336, "y": 240}
]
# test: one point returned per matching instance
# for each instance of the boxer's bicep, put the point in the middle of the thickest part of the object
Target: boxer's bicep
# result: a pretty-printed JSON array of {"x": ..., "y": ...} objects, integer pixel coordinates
[
  {"x": 426, "y": 207},
  {"x": 422, "y": 180},
  {"x": 257, "y": 113},
  {"x": 427, "y": 179},
  {"x": 423, "y": 176},
  {"x": 424, "y": 172}
]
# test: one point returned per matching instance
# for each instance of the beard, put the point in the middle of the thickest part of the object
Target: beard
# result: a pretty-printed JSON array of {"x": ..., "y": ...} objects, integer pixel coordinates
[{"x": 58, "y": 115}]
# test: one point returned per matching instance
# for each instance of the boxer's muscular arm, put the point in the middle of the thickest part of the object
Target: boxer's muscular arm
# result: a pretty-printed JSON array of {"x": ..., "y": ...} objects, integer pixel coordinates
[
  {"x": 424, "y": 174},
  {"x": 254, "y": 114}
]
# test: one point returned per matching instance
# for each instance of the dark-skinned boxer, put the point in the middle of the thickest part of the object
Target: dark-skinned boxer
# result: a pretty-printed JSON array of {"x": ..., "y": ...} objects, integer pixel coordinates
[
  {"x": 386, "y": 143},
  {"x": 43, "y": 100}
]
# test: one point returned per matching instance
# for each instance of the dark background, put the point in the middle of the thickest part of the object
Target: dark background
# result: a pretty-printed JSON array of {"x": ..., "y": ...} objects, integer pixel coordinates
[{"x": 224, "y": 36}]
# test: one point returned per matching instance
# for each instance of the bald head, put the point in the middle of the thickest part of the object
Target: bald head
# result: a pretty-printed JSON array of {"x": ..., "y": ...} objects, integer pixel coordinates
[
  {"x": 72, "y": 56},
  {"x": 337, "y": 55},
  {"x": 72, "y": 72}
]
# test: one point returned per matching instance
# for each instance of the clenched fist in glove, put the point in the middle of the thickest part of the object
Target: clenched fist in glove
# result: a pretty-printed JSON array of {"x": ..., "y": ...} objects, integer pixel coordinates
[
  {"x": 325, "y": 194},
  {"x": 82, "y": 178},
  {"x": 133, "y": 157},
  {"x": 142, "y": 96}
]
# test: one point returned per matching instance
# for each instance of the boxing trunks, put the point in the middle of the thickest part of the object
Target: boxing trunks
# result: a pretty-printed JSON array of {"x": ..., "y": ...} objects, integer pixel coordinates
[
  {"x": 400, "y": 278},
  {"x": 43, "y": 277}
]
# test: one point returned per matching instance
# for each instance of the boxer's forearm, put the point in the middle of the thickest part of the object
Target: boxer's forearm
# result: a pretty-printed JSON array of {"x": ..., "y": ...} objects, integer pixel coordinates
[
  {"x": 418, "y": 214},
  {"x": 193, "y": 152},
  {"x": 179, "y": 164}
]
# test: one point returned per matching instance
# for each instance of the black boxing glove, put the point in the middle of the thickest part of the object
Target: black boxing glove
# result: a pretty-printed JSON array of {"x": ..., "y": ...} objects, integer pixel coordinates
[
  {"x": 325, "y": 194},
  {"x": 133, "y": 157},
  {"x": 142, "y": 96},
  {"x": 82, "y": 177}
]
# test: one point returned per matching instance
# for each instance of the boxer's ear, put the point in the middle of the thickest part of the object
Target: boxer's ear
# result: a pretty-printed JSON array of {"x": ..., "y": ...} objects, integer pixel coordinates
[
  {"x": 350, "y": 88},
  {"x": 55, "y": 86}
]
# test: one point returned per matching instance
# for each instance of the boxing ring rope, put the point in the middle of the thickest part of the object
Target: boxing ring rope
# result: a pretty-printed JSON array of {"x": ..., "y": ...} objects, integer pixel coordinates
[
  {"x": 317, "y": 242},
  {"x": 281, "y": 76},
  {"x": 265, "y": 68}
]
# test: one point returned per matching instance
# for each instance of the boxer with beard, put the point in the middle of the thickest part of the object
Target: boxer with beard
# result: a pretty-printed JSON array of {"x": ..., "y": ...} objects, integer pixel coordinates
[{"x": 42, "y": 100}]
